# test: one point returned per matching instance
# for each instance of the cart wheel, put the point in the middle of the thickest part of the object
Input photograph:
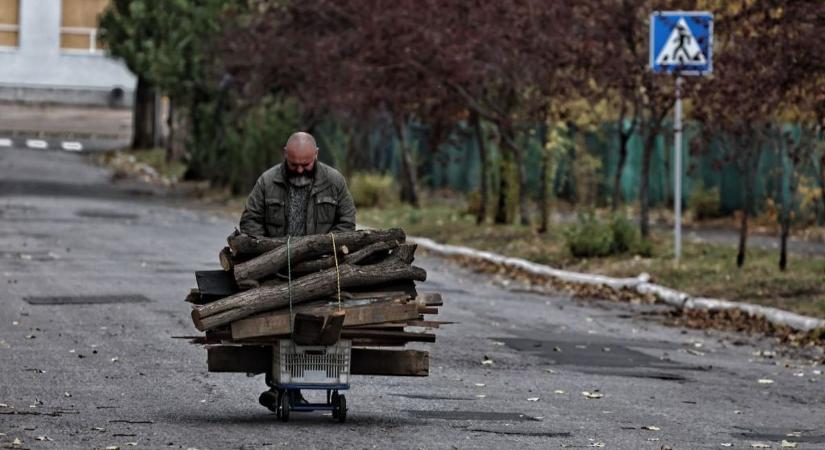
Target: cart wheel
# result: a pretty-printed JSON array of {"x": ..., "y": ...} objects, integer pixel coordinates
[
  {"x": 278, "y": 404},
  {"x": 342, "y": 408},
  {"x": 269, "y": 399},
  {"x": 284, "y": 406},
  {"x": 335, "y": 404}
]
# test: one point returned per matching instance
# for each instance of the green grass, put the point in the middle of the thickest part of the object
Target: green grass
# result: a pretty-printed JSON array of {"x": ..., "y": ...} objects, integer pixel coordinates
[{"x": 707, "y": 270}]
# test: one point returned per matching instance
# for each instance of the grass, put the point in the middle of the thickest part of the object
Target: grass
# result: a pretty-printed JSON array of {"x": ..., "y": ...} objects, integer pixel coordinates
[{"x": 707, "y": 270}]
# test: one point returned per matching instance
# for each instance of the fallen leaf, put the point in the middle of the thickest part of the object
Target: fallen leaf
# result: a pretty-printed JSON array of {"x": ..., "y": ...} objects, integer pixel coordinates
[
  {"x": 817, "y": 372},
  {"x": 788, "y": 444},
  {"x": 597, "y": 444},
  {"x": 115, "y": 359},
  {"x": 480, "y": 396},
  {"x": 533, "y": 399},
  {"x": 726, "y": 444},
  {"x": 17, "y": 442},
  {"x": 98, "y": 429},
  {"x": 765, "y": 381},
  {"x": 794, "y": 434},
  {"x": 653, "y": 439},
  {"x": 592, "y": 395},
  {"x": 651, "y": 428},
  {"x": 67, "y": 395},
  {"x": 695, "y": 352},
  {"x": 486, "y": 361},
  {"x": 549, "y": 370},
  {"x": 480, "y": 385},
  {"x": 558, "y": 391},
  {"x": 759, "y": 445},
  {"x": 113, "y": 447},
  {"x": 133, "y": 444},
  {"x": 737, "y": 412},
  {"x": 44, "y": 438}
]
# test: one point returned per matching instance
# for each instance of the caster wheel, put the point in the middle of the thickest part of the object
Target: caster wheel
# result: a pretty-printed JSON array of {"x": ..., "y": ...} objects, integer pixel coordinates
[
  {"x": 269, "y": 400},
  {"x": 284, "y": 409},
  {"x": 335, "y": 404},
  {"x": 342, "y": 408}
]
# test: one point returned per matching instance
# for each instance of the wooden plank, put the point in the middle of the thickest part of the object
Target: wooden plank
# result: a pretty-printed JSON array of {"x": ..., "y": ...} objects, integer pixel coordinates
[
  {"x": 258, "y": 359},
  {"x": 412, "y": 363},
  {"x": 277, "y": 323},
  {"x": 307, "y": 328},
  {"x": 429, "y": 299},
  {"x": 332, "y": 328},
  {"x": 236, "y": 358},
  {"x": 388, "y": 335}
]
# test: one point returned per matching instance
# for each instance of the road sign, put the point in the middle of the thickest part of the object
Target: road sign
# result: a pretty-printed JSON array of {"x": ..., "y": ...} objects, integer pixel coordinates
[{"x": 681, "y": 42}]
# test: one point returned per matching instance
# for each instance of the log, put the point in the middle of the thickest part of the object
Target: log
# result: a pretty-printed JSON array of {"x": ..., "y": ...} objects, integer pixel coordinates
[
  {"x": 225, "y": 256},
  {"x": 258, "y": 359},
  {"x": 194, "y": 296},
  {"x": 410, "y": 363},
  {"x": 353, "y": 258},
  {"x": 277, "y": 322},
  {"x": 309, "y": 287},
  {"x": 239, "y": 358},
  {"x": 305, "y": 248},
  {"x": 250, "y": 246}
]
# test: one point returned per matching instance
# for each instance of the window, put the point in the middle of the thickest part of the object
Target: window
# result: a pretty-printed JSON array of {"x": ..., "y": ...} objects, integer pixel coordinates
[
  {"x": 78, "y": 24},
  {"x": 9, "y": 23}
]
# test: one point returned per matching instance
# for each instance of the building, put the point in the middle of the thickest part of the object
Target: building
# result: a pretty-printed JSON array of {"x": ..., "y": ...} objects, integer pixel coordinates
[{"x": 49, "y": 53}]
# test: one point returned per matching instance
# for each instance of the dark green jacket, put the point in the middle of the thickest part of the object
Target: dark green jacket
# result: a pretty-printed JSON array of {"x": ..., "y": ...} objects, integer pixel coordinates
[{"x": 330, "y": 204}]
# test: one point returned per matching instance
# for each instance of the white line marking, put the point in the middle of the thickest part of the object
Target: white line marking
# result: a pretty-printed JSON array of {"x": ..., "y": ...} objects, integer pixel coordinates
[
  {"x": 36, "y": 143},
  {"x": 72, "y": 146},
  {"x": 5, "y": 142}
]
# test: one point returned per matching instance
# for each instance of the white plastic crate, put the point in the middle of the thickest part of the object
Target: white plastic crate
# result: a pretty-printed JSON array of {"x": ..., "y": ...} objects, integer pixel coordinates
[{"x": 302, "y": 364}]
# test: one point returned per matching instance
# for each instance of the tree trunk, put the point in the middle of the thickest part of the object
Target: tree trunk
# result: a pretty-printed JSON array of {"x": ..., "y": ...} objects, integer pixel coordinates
[
  {"x": 544, "y": 187},
  {"x": 743, "y": 238},
  {"x": 644, "y": 187},
  {"x": 408, "y": 176},
  {"x": 783, "y": 247},
  {"x": 309, "y": 287},
  {"x": 617, "y": 178},
  {"x": 178, "y": 124},
  {"x": 143, "y": 116},
  {"x": 521, "y": 177},
  {"x": 305, "y": 248},
  {"x": 503, "y": 186},
  {"x": 481, "y": 214}
]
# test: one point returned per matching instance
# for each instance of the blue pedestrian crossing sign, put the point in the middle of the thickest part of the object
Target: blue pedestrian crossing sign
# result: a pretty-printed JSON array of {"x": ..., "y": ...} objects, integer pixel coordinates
[{"x": 681, "y": 42}]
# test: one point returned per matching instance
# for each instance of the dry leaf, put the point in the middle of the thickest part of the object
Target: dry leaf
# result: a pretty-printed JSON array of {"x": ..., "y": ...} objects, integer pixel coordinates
[
  {"x": 651, "y": 428},
  {"x": 480, "y": 385},
  {"x": 558, "y": 391},
  {"x": 788, "y": 444},
  {"x": 592, "y": 395},
  {"x": 533, "y": 399},
  {"x": 486, "y": 361},
  {"x": 17, "y": 442},
  {"x": 44, "y": 438},
  {"x": 726, "y": 444},
  {"x": 597, "y": 444},
  {"x": 765, "y": 381},
  {"x": 759, "y": 445},
  {"x": 134, "y": 444},
  {"x": 115, "y": 359},
  {"x": 113, "y": 447}
]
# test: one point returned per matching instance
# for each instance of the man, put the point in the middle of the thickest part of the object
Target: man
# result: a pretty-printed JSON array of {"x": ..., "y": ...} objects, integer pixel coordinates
[{"x": 300, "y": 196}]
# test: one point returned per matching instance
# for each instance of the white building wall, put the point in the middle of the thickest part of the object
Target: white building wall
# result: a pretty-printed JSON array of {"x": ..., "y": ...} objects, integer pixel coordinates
[{"x": 39, "y": 71}]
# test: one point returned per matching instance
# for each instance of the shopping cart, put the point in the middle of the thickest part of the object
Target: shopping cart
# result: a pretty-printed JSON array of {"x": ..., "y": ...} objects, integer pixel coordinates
[{"x": 303, "y": 367}]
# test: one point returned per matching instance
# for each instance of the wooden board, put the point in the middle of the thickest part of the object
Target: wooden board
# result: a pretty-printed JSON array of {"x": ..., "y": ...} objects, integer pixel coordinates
[
  {"x": 277, "y": 323},
  {"x": 237, "y": 358},
  {"x": 215, "y": 284},
  {"x": 258, "y": 359},
  {"x": 409, "y": 363}
]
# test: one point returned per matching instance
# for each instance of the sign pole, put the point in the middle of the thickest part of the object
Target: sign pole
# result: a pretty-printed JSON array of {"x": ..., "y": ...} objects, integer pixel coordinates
[{"x": 677, "y": 171}]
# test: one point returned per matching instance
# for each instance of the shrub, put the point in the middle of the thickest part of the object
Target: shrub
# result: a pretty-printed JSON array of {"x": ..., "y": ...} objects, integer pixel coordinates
[
  {"x": 372, "y": 190},
  {"x": 592, "y": 238},
  {"x": 589, "y": 238},
  {"x": 705, "y": 203}
]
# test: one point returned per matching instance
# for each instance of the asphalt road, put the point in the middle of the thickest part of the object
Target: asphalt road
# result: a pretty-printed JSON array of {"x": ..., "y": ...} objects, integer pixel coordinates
[{"x": 110, "y": 374}]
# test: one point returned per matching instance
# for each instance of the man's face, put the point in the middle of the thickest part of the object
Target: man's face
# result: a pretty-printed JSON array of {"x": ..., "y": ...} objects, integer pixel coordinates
[{"x": 300, "y": 158}]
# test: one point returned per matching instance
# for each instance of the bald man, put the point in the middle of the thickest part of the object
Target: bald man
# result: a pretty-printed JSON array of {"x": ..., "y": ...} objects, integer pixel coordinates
[{"x": 299, "y": 196}]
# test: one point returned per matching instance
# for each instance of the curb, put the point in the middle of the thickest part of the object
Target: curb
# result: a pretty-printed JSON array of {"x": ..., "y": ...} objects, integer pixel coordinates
[{"x": 640, "y": 284}]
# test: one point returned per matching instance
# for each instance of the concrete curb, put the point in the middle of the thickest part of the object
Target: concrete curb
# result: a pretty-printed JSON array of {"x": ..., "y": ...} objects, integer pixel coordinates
[{"x": 640, "y": 284}]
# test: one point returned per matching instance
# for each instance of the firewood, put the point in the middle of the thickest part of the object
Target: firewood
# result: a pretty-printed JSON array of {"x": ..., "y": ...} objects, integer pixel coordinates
[
  {"x": 305, "y": 248},
  {"x": 309, "y": 287}
]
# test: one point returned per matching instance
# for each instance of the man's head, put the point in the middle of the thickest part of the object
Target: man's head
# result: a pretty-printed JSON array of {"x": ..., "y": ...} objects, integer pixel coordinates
[{"x": 300, "y": 154}]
